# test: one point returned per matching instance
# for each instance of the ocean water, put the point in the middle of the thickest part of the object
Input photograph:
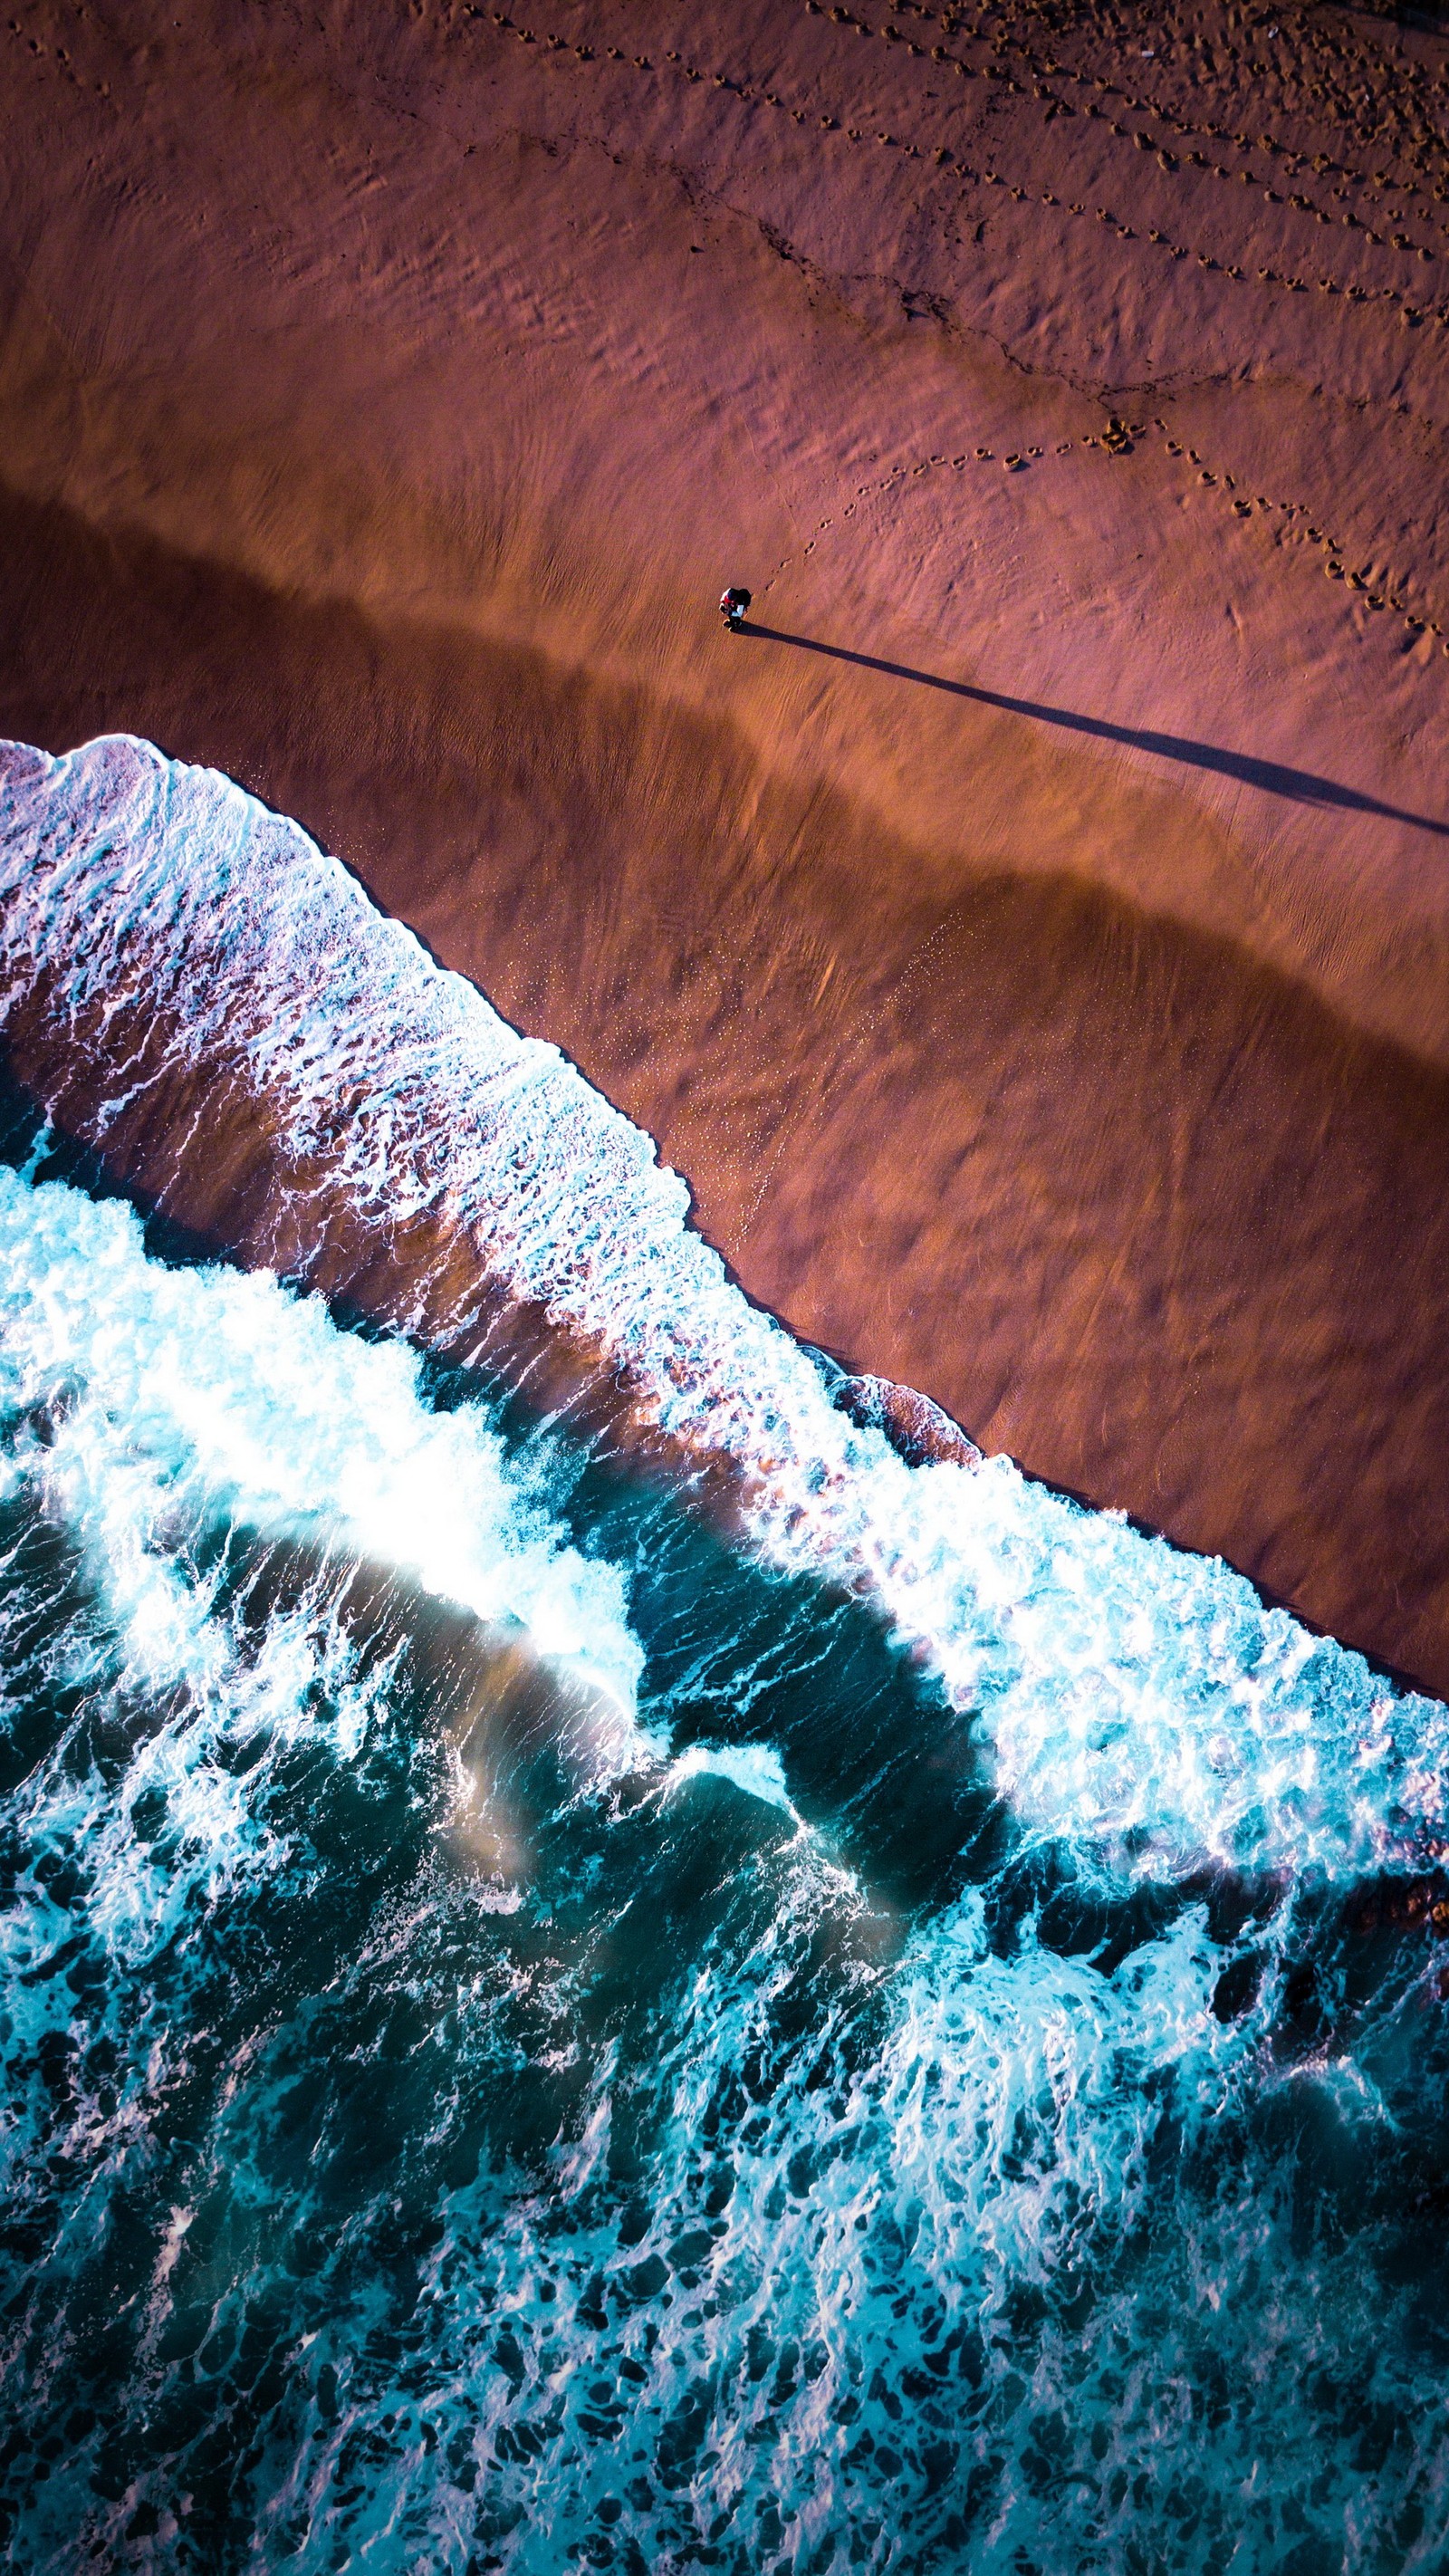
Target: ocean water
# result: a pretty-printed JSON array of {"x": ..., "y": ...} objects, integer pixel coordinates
[{"x": 597, "y": 1970}]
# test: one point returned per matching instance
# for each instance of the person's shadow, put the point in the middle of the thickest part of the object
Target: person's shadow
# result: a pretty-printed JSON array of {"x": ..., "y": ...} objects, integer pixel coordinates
[{"x": 1272, "y": 777}]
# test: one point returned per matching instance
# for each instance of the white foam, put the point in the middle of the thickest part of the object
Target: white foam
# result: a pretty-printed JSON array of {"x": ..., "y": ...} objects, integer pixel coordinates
[
  {"x": 180, "y": 1399},
  {"x": 157, "y": 1416},
  {"x": 755, "y": 1768},
  {"x": 1141, "y": 1700}
]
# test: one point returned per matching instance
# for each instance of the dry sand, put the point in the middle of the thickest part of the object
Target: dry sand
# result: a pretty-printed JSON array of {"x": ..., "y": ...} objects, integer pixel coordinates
[{"x": 1031, "y": 940}]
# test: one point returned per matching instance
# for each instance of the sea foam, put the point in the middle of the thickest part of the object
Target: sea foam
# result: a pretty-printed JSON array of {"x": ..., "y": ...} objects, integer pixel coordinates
[
  {"x": 1123, "y": 1692},
  {"x": 163, "y": 1421}
]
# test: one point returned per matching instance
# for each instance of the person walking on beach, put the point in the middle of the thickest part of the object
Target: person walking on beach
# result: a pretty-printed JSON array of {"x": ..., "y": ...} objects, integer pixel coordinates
[{"x": 732, "y": 605}]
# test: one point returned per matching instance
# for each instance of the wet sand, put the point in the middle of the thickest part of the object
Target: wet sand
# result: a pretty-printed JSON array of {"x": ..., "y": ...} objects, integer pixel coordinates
[{"x": 1030, "y": 939}]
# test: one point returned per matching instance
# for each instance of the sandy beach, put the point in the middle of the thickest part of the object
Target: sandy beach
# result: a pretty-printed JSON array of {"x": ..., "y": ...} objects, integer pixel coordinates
[{"x": 1029, "y": 938}]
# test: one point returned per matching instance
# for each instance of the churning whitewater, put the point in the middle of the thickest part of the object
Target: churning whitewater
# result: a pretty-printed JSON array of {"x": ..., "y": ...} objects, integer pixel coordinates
[{"x": 597, "y": 1969}]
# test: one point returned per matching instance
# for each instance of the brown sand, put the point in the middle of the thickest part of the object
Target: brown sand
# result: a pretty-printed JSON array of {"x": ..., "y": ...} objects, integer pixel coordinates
[{"x": 1032, "y": 941}]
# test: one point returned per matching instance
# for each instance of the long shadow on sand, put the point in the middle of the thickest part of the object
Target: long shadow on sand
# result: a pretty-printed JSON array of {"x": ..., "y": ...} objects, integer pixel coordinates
[{"x": 1272, "y": 777}]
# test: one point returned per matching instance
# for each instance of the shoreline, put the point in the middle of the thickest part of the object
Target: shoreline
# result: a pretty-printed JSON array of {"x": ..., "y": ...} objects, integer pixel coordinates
[
  {"x": 1098, "y": 1093},
  {"x": 246, "y": 1203}
]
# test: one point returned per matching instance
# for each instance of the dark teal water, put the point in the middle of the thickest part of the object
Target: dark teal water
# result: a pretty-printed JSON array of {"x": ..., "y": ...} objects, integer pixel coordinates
[{"x": 423, "y": 2151}]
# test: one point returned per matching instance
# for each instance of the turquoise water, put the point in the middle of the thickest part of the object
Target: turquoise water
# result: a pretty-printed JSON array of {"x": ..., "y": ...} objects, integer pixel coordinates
[{"x": 542, "y": 2024}]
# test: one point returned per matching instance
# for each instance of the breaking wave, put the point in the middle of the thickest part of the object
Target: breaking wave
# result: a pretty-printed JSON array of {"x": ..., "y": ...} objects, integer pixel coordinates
[{"x": 597, "y": 1968}]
